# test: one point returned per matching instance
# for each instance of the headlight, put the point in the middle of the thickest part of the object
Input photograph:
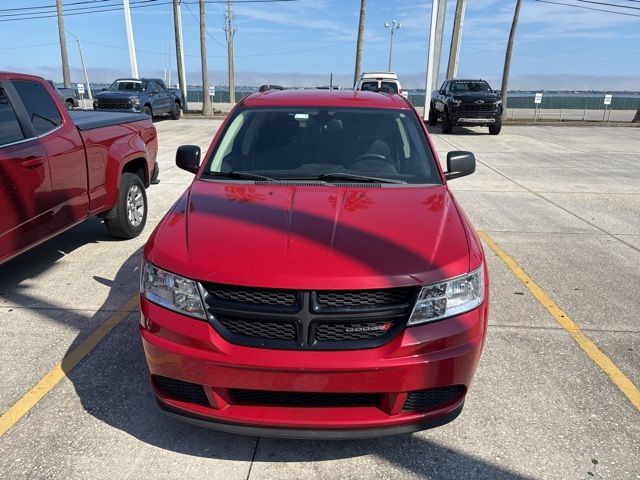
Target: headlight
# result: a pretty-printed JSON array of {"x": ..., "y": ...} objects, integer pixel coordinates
[
  {"x": 171, "y": 291},
  {"x": 448, "y": 298},
  {"x": 135, "y": 102},
  {"x": 95, "y": 104},
  {"x": 498, "y": 102}
]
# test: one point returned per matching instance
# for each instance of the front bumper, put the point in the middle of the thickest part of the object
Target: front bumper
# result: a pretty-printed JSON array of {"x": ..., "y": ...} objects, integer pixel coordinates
[
  {"x": 438, "y": 355},
  {"x": 118, "y": 109}
]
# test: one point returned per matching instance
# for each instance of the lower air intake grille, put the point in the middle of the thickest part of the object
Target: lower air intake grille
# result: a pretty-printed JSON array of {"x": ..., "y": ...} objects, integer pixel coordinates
[
  {"x": 303, "y": 399},
  {"x": 180, "y": 390},
  {"x": 432, "y": 398},
  {"x": 259, "y": 328}
]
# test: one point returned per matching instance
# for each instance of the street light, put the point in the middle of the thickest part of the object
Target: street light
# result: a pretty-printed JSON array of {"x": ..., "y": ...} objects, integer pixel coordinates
[
  {"x": 394, "y": 26},
  {"x": 84, "y": 68}
]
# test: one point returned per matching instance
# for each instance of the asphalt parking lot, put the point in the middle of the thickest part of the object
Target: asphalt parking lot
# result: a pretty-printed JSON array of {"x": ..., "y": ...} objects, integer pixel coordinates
[{"x": 559, "y": 204}]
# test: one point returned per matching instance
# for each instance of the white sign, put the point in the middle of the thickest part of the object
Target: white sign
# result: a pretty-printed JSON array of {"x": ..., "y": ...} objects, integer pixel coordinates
[
  {"x": 538, "y": 98},
  {"x": 607, "y": 99},
  {"x": 81, "y": 88},
  {"x": 212, "y": 91}
]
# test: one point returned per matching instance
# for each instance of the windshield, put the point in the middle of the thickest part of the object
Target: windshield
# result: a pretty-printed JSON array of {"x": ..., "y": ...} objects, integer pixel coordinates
[
  {"x": 126, "y": 86},
  {"x": 467, "y": 87},
  {"x": 392, "y": 87},
  {"x": 333, "y": 143}
]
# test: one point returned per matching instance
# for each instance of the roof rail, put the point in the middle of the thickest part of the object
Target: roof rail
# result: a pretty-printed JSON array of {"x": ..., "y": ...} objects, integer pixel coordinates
[{"x": 267, "y": 87}]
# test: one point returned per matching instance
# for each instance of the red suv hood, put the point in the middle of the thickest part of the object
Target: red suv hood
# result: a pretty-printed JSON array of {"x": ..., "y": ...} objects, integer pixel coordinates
[{"x": 308, "y": 237}]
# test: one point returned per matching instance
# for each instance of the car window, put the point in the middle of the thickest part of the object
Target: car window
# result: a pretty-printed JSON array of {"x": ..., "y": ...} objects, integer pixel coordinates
[
  {"x": 10, "y": 130},
  {"x": 40, "y": 106},
  {"x": 392, "y": 86},
  {"x": 305, "y": 143},
  {"x": 371, "y": 86},
  {"x": 159, "y": 86},
  {"x": 126, "y": 86},
  {"x": 444, "y": 86},
  {"x": 471, "y": 87}
]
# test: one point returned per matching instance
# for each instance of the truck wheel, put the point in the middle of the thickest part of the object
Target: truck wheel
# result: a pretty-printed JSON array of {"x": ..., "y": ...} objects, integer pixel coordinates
[
  {"x": 495, "y": 128},
  {"x": 128, "y": 218},
  {"x": 147, "y": 111},
  {"x": 69, "y": 105},
  {"x": 447, "y": 126},
  {"x": 433, "y": 117},
  {"x": 175, "y": 114}
]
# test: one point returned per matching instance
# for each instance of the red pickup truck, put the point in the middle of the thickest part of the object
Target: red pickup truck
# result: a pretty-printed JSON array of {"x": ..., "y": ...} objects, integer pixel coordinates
[{"x": 57, "y": 168}]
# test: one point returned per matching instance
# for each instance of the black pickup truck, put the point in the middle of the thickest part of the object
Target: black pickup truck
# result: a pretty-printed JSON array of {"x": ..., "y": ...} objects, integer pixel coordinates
[
  {"x": 466, "y": 102},
  {"x": 147, "y": 95},
  {"x": 68, "y": 96}
]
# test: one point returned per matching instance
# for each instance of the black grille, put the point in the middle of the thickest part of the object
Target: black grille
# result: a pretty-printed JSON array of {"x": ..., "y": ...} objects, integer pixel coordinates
[
  {"x": 114, "y": 104},
  {"x": 349, "y": 331},
  {"x": 478, "y": 107},
  {"x": 293, "y": 319},
  {"x": 253, "y": 296},
  {"x": 180, "y": 390},
  {"x": 259, "y": 328},
  {"x": 432, "y": 398},
  {"x": 303, "y": 399},
  {"x": 361, "y": 298}
]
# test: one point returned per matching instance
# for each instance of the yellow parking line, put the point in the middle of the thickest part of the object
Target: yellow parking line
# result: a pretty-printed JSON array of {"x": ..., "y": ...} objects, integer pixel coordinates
[
  {"x": 625, "y": 385},
  {"x": 62, "y": 368}
]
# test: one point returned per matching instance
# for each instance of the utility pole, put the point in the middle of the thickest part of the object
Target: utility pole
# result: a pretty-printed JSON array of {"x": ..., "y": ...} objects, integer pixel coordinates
[
  {"x": 230, "y": 30},
  {"x": 428, "y": 88},
  {"x": 437, "y": 49},
  {"x": 206, "y": 99},
  {"x": 182, "y": 80},
  {"x": 456, "y": 35},
  {"x": 84, "y": 68},
  {"x": 394, "y": 26},
  {"x": 133, "y": 61},
  {"x": 359, "y": 42},
  {"x": 66, "y": 76},
  {"x": 507, "y": 57}
]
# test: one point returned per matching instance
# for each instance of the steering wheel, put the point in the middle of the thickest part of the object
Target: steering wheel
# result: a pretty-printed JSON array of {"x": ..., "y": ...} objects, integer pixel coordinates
[{"x": 373, "y": 156}]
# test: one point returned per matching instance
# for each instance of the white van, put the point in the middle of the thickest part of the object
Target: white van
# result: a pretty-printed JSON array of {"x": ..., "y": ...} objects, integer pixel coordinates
[{"x": 380, "y": 81}]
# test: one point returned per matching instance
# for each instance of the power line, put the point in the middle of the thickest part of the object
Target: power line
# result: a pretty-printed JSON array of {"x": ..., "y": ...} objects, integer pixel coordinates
[
  {"x": 87, "y": 8},
  {"x": 206, "y": 30},
  {"x": 609, "y": 4},
  {"x": 105, "y": 9},
  {"x": 589, "y": 8},
  {"x": 53, "y": 6}
]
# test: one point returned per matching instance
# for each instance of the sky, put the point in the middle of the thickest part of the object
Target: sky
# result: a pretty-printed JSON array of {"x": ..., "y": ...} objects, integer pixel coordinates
[{"x": 300, "y": 43}]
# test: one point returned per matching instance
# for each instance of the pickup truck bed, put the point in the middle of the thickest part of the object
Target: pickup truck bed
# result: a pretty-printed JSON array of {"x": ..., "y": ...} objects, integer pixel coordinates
[{"x": 91, "y": 120}]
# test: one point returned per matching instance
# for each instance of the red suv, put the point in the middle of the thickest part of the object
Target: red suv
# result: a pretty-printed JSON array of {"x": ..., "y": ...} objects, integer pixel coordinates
[{"x": 318, "y": 278}]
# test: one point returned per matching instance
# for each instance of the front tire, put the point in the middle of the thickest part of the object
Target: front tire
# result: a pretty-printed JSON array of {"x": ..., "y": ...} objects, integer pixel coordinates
[
  {"x": 433, "y": 117},
  {"x": 447, "y": 126},
  {"x": 128, "y": 218},
  {"x": 147, "y": 111},
  {"x": 175, "y": 113},
  {"x": 69, "y": 105},
  {"x": 495, "y": 128}
]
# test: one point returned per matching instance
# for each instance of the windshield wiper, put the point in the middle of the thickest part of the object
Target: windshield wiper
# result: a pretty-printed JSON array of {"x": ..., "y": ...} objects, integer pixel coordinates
[
  {"x": 241, "y": 176},
  {"x": 357, "y": 178}
]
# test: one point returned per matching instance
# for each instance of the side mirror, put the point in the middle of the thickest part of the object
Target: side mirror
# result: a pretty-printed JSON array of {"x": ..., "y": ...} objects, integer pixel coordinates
[
  {"x": 460, "y": 164},
  {"x": 188, "y": 158},
  {"x": 441, "y": 92}
]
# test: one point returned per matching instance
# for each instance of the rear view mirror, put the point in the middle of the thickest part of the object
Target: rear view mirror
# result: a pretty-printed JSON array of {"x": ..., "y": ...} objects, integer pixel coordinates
[
  {"x": 188, "y": 158},
  {"x": 460, "y": 164}
]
